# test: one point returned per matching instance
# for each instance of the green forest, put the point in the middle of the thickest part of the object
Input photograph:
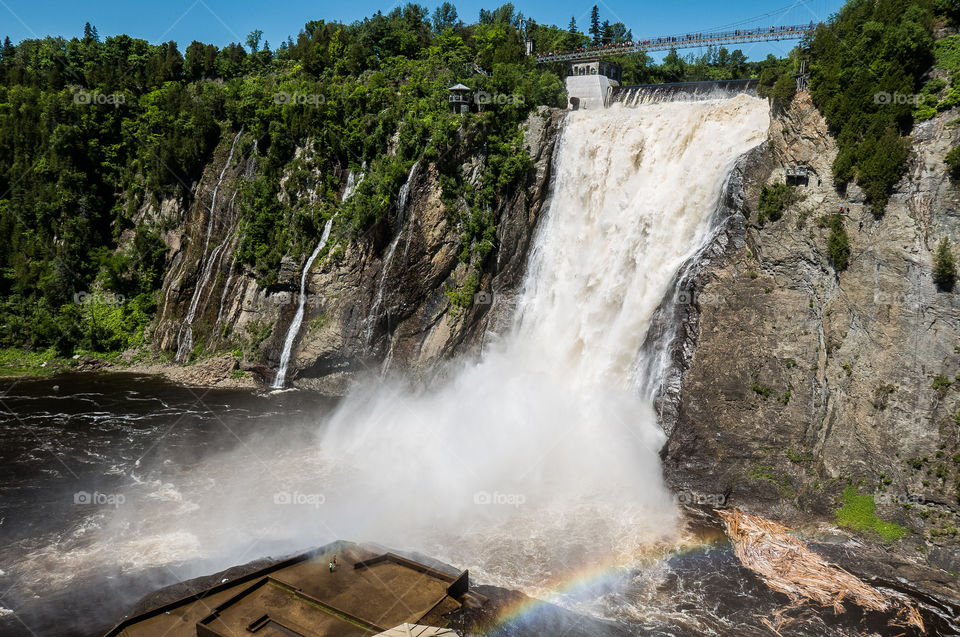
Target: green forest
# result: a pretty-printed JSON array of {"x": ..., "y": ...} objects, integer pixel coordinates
[{"x": 93, "y": 131}]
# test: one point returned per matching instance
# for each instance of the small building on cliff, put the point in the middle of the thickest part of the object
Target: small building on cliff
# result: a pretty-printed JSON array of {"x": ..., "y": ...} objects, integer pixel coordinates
[{"x": 591, "y": 83}]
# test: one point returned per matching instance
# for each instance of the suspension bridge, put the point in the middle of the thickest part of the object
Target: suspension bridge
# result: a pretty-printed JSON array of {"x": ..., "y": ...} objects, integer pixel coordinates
[{"x": 690, "y": 40}]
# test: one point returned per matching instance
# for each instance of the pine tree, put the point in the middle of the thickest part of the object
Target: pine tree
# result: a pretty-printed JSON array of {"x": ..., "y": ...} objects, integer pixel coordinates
[
  {"x": 90, "y": 33},
  {"x": 595, "y": 25},
  {"x": 606, "y": 33},
  {"x": 944, "y": 267},
  {"x": 572, "y": 29}
]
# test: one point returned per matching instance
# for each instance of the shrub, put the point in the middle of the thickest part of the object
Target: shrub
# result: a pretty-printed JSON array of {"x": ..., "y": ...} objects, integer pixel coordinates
[
  {"x": 859, "y": 513},
  {"x": 944, "y": 267},
  {"x": 953, "y": 162},
  {"x": 773, "y": 200},
  {"x": 941, "y": 384},
  {"x": 838, "y": 244}
]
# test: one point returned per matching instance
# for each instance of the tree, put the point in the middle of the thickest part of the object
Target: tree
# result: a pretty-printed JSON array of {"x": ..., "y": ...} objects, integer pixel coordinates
[
  {"x": 90, "y": 33},
  {"x": 737, "y": 64},
  {"x": 573, "y": 34},
  {"x": 444, "y": 17},
  {"x": 606, "y": 36},
  {"x": 618, "y": 32},
  {"x": 505, "y": 14},
  {"x": 944, "y": 267},
  {"x": 674, "y": 68},
  {"x": 193, "y": 61},
  {"x": 595, "y": 25},
  {"x": 253, "y": 40},
  {"x": 838, "y": 244}
]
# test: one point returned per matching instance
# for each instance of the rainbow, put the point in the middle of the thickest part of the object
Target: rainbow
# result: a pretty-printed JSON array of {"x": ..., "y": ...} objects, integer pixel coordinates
[{"x": 593, "y": 581}]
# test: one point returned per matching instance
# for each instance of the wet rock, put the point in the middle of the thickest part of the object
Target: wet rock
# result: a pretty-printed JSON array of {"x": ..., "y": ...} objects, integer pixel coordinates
[{"x": 797, "y": 381}]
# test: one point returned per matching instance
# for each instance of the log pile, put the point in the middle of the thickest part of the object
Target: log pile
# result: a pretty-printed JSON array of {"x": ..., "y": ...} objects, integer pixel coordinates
[{"x": 788, "y": 566}]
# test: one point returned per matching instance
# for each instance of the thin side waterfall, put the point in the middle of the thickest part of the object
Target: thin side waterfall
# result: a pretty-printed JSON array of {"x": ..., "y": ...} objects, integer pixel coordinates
[
  {"x": 402, "y": 198},
  {"x": 298, "y": 317},
  {"x": 226, "y": 286},
  {"x": 288, "y": 342},
  {"x": 186, "y": 334}
]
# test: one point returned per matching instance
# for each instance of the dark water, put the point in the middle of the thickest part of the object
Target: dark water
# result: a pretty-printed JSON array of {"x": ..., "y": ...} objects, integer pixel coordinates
[
  {"x": 73, "y": 458},
  {"x": 107, "y": 483}
]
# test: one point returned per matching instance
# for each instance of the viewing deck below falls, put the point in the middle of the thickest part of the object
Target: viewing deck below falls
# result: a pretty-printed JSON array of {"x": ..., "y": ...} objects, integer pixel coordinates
[{"x": 364, "y": 595}]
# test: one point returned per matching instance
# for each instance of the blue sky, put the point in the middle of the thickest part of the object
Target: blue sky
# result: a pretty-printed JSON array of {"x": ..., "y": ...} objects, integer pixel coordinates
[{"x": 225, "y": 21}]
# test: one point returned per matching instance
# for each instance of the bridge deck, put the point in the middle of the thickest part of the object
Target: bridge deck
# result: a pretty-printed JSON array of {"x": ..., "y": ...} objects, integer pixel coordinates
[{"x": 691, "y": 40}]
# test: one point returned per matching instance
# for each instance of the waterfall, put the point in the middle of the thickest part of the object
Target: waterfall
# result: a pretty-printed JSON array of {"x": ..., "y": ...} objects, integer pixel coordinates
[
  {"x": 685, "y": 91},
  {"x": 352, "y": 182},
  {"x": 542, "y": 456},
  {"x": 402, "y": 198},
  {"x": 186, "y": 334},
  {"x": 226, "y": 286},
  {"x": 301, "y": 304}
]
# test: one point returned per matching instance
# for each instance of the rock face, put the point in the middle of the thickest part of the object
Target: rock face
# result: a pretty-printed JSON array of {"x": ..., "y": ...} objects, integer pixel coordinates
[
  {"x": 374, "y": 303},
  {"x": 794, "y": 381}
]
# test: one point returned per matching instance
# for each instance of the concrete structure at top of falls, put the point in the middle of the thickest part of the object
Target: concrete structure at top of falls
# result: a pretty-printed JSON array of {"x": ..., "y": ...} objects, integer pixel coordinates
[{"x": 591, "y": 83}]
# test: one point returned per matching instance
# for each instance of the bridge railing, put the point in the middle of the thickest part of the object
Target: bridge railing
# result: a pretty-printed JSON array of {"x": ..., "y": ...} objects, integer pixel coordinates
[{"x": 766, "y": 34}]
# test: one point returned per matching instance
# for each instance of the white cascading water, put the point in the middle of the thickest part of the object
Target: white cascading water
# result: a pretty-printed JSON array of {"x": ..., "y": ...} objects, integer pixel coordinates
[
  {"x": 301, "y": 305},
  {"x": 549, "y": 415},
  {"x": 528, "y": 465},
  {"x": 185, "y": 343},
  {"x": 294, "y": 330},
  {"x": 402, "y": 199}
]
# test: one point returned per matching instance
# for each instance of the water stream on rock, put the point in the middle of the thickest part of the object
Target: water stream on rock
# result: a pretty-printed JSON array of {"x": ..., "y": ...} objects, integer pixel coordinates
[
  {"x": 294, "y": 329},
  {"x": 185, "y": 340}
]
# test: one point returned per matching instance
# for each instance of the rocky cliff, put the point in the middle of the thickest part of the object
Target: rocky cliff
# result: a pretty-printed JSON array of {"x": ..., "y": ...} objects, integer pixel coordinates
[
  {"x": 375, "y": 302},
  {"x": 793, "y": 382}
]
